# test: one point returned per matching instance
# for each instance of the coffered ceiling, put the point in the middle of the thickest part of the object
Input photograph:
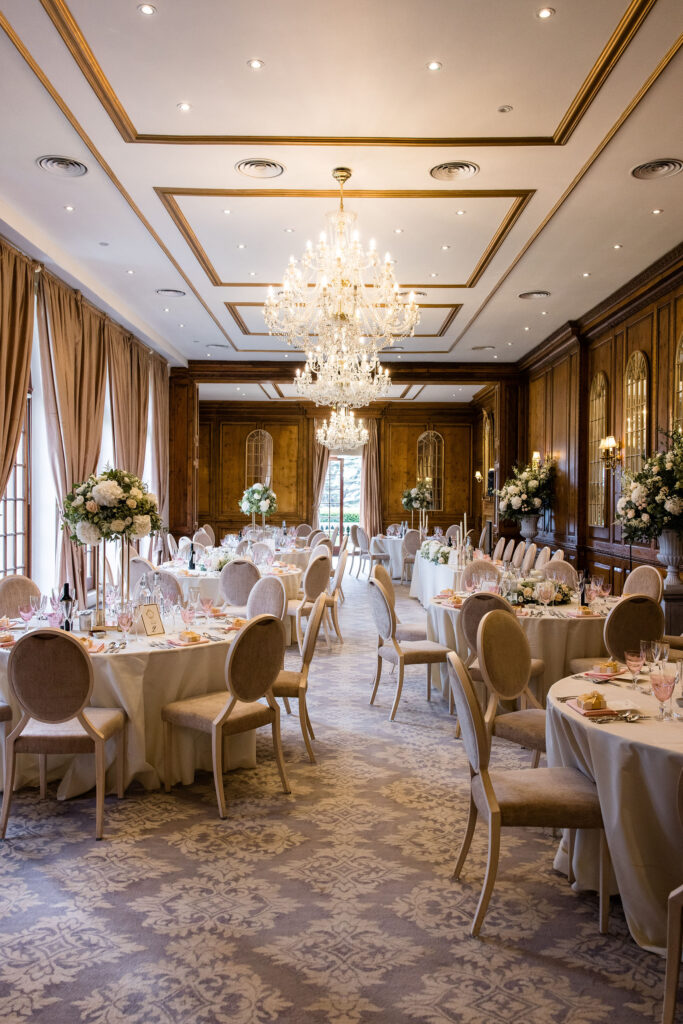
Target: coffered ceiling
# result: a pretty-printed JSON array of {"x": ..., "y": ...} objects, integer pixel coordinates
[{"x": 594, "y": 90}]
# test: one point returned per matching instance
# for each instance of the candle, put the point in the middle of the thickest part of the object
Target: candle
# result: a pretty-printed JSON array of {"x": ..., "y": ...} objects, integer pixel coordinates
[{"x": 465, "y": 517}]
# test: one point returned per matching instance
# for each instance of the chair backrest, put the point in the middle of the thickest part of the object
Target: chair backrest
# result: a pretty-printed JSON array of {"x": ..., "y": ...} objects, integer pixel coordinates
[
  {"x": 172, "y": 545},
  {"x": 645, "y": 580},
  {"x": 393, "y": 529},
  {"x": 303, "y": 530},
  {"x": 260, "y": 552},
  {"x": 209, "y": 531},
  {"x": 255, "y": 658},
  {"x": 411, "y": 542},
  {"x": 138, "y": 567},
  {"x": 480, "y": 570},
  {"x": 267, "y": 597},
  {"x": 339, "y": 571},
  {"x": 184, "y": 544},
  {"x": 317, "y": 576},
  {"x": 333, "y": 538},
  {"x": 16, "y": 590},
  {"x": 472, "y": 726},
  {"x": 529, "y": 558},
  {"x": 509, "y": 551},
  {"x": 543, "y": 557},
  {"x": 503, "y": 654},
  {"x": 384, "y": 577},
  {"x": 237, "y": 579},
  {"x": 558, "y": 556},
  {"x": 201, "y": 536},
  {"x": 563, "y": 572},
  {"x": 353, "y": 534},
  {"x": 452, "y": 530},
  {"x": 170, "y": 587},
  {"x": 382, "y": 611},
  {"x": 312, "y": 629},
  {"x": 50, "y": 674},
  {"x": 518, "y": 556},
  {"x": 343, "y": 543},
  {"x": 635, "y": 618},
  {"x": 474, "y": 608},
  {"x": 313, "y": 538},
  {"x": 241, "y": 547},
  {"x": 320, "y": 549},
  {"x": 498, "y": 550},
  {"x": 363, "y": 541},
  {"x": 482, "y": 538}
]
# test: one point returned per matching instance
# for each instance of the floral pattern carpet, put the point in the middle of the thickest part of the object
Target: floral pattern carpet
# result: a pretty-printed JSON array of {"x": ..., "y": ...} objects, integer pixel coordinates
[{"x": 333, "y": 905}]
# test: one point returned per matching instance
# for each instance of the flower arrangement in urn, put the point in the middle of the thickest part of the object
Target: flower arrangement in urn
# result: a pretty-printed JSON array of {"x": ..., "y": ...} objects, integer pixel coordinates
[
  {"x": 109, "y": 505},
  {"x": 529, "y": 491},
  {"x": 418, "y": 497},
  {"x": 258, "y": 499},
  {"x": 652, "y": 500}
]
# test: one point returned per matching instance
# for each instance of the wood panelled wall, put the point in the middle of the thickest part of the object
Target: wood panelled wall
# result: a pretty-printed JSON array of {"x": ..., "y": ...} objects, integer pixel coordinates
[{"x": 646, "y": 315}]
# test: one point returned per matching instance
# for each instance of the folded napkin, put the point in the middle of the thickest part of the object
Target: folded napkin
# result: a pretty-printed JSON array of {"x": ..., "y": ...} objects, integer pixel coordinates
[{"x": 175, "y": 641}]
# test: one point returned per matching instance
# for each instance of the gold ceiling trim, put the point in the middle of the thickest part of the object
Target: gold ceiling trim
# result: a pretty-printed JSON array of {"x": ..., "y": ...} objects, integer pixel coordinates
[
  {"x": 233, "y": 309},
  {"x": 69, "y": 30},
  {"x": 168, "y": 196}
]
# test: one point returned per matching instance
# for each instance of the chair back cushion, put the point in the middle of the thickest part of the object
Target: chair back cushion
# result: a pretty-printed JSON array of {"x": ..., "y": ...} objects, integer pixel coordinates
[
  {"x": 558, "y": 556},
  {"x": 267, "y": 597},
  {"x": 202, "y": 536},
  {"x": 50, "y": 674},
  {"x": 498, "y": 550},
  {"x": 518, "y": 556},
  {"x": 363, "y": 541},
  {"x": 474, "y": 608},
  {"x": 470, "y": 717},
  {"x": 303, "y": 530},
  {"x": 382, "y": 611},
  {"x": 317, "y": 576},
  {"x": 138, "y": 567},
  {"x": 260, "y": 551},
  {"x": 635, "y": 618},
  {"x": 384, "y": 577},
  {"x": 170, "y": 587},
  {"x": 209, "y": 531},
  {"x": 529, "y": 558},
  {"x": 255, "y": 658},
  {"x": 543, "y": 557},
  {"x": 480, "y": 570},
  {"x": 353, "y": 534},
  {"x": 339, "y": 572},
  {"x": 241, "y": 548},
  {"x": 452, "y": 530},
  {"x": 312, "y": 628},
  {"x": 645, "y": 580},
  {"x": 509, "y": 551},
  {"x": 172, "y": 545},
  {"x": 16, "y": 590},
  {"x": 236, "y": 580},
  {"x": 482, "y": 538},
  {"x": 321, "y": 549},
  {"x": 503, "y": 654},
  {"x": 563, "y": 572},
  {"x": 411, "y": 542}
]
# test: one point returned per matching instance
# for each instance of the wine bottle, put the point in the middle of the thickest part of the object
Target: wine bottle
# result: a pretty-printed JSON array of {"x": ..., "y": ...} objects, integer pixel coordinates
[{"x": 190, "y": 564}]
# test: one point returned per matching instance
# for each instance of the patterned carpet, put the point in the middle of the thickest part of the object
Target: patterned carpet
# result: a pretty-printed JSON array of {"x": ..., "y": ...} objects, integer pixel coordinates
[{"x": 331, "y": 906}]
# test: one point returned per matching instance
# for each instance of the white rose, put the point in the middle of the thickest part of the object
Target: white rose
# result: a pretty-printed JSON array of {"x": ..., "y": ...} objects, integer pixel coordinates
[
  {"x": 537, "y": 502},
  {"x": 630, "y": 514},
  {"x": 533, "y": 485},
  {"x": 87, "y": 533},
  {"x": 128, "y": 520},
  {"x": 413, "y": 491},
  {"x": 152, "y": 499},
  {"x": 258, "y": 487},
  {"x": 141, "y": 526},
  {"x": 131, "y": 503},
  {"x": 245, "y": 507},
  {"x": 107, "y": 493},
  {"x": 83, "y": 487},
  {"x": 135, "y": 492},
  {"x": 674, "y": 506},
  {"x": 264, "y": 505},
  {"x": 645, "y": 517},
  {"x": 77, "y": 501},
  {"x": 516, "y": 502},
  {"x": 116, "y": 525}
]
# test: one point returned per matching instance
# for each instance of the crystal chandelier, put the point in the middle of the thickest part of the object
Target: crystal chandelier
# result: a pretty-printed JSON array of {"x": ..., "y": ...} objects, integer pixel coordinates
[
  {"x": 341, "y": 432},
  {"x": 343, "y": 380}
]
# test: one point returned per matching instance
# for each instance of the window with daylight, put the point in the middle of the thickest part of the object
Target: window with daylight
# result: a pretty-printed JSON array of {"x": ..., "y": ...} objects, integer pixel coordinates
[
  {"x": 597, "y": 429},
  {"x": 635, "y": 412},
  {"x": 678, "y": 387},
  {"x": 15, "y": 510},
  {"x": 430, "y": 465},
  {"x": 258, "y": 458}
]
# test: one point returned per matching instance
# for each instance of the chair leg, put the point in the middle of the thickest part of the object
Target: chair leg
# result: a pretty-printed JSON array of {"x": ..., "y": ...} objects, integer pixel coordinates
[
  {"x": 335, "y": 621},
  {"x": 360, "y": 562},
  {"x": 673, "y": 954},
  {"x": 605, "y": 864},
  {"x": 285, "y": 701},
  {"x": 303, "y": 721},
  {"x": 120, "y": 763},
  {"x": 277, "y": 746},
  {"x": 42, "y": 775},
  {"x": 299, "y": 630},
  {"x": 399, "y": 687},
  {"x": 535, "y": 759},
  {"x": 327, "y": 635},
  {"x": 167, "y": 756},
  {"x": 99, "y": 787},
  {"x": 571, "y": 839},
  {"x": 429, "y": 681},
  {"x": 491, "y": 870},
  {"x": 217, "y": 758},
  {"x": 308, "y": 722},
  {"x": 377, "y": 675},
  {"x": 466, "y": 839},
  {"x": 10, "y": 767}
]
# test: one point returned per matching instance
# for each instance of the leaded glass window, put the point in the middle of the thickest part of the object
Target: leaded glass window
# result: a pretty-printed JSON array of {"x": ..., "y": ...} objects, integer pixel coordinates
[
  {"x": 430, "y": 465},
  {"x": 597, "y": 429},
  {"x": 635, "y": 412},
  {"x": 258, "y": 458}
]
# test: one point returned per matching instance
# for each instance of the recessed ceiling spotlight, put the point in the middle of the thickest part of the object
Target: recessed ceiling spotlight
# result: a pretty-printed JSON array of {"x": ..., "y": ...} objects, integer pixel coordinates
[
  {"x": 657, "y": 212},
  {"x": 130, "y": 272},
  {"x": 495, "y": 357},
  {"x": 505, "y": 109},
  {"x": 286, "y": 355},
  {"x": 398, "y": 231},
  {"x": 166, "y": 309},
  {"x": 545, "y": 12},
  {"x": 460, "y": 213},
  {"x": 252, "y": 273},
  {"x": 586, "y": 273},
  {"x": 69, "y": 209},
  {"x": 289, "y": 231},
  {"x": 537, "y": 293},
  {"x": 147, "y": 9},
  {"x": 527, "y": 328},
  {"x": 184, "y": 107},
  {"x": 400, "y": 357},
  {"x": 434, "y": 65},
  {"x": 509, "y": 344},
  {"x": 241, "y": 245},
  {"x": 543, "y": 312},
  {"x": 255, "y": 63},
  {"x": 208, "y": 355},
  {"x": 433, "y": 275},
  {"x": 617, "y": 245},
  {"x": 445, "y": 247},
  {"x": 237, "y": 387},
  {"x": 459, "y": 389},
  {"x": 226, "y": 211},
  {"x": 181, "y": 325},
  {"x": 174, "y": 293}
]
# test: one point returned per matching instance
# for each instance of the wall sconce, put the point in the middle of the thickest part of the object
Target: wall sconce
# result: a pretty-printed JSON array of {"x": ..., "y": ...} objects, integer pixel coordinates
[
  {"x": 478, "y": 477},
  {"x": 535, "y": 459},
  {"x": 610, "y": 452}
]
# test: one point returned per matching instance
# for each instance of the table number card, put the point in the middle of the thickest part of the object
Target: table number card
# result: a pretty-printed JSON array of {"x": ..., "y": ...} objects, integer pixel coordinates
[{"x": 151, "y": 620}]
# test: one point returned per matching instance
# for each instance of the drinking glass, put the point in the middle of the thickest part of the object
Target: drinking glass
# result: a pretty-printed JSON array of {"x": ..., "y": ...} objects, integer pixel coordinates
[
  {"x": 207, "y": 605},
  {"x": 662, "y": 686},
  {"x": 471, "y": 584},
  {"x": 634, "y": 663},
  {"x": 647, "y": 653},
  {"x": 55, "y": 619},
  {"x": 660, "y": 652},
  {"x": 187, "y": 614},
  {"x": 26, "y": 612},
  {"x": 124, "y": 618},
  {"x": 545, "y": 592}
]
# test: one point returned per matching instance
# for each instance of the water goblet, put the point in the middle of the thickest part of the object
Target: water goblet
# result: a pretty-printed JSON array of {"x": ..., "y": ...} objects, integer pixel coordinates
[
  {"x": 634, "y": 663},
  {"x": 124, "y": 618},
  {"x": 26, "y": 613},
  {"x": 647, "y": 653},
  {"x": 35, "y": 600},
  {"x": 207, "y": 604},
  {"x": 187, "y": 614},
  {"x": 194, "y": 593},
  {"x": 55, "y": 619},
  {"x": 660, "y": 652},
  {"x": 662, "y": 687}
]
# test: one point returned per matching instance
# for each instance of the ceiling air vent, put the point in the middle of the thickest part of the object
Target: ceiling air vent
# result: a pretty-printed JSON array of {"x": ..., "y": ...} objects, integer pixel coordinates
[
  {"x": 255, "y": 167},
  {"x": 539, "y": 294},
  {"x": 171, "y": 293},
  {"x": 217, "y": 344},
  {"x": 483, "y": 348},
  {"x": 653, "y": 170},
  {"x": 62, "y": 165},
  {"x": 455, "y": 170}
]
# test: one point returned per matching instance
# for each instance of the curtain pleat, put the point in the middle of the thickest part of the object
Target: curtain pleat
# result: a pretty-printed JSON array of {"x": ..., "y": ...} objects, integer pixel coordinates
[
  {"x": 370, "y": 493},
  {"x": 129, "y": 393},
  {"x": 16, "y": 338},
  {"x": 321, "y": 459},
  {"x": 160, "y": 428}
]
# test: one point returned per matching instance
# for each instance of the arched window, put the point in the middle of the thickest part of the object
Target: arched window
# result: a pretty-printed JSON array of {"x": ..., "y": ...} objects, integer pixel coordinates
[
  {"x": 678, "y": 387},
  {"x": 597, "y": 429},
  {"x": 635, "y": 412},
  {"x": 430, "y": 465},
  {"x": 488, "y": 458},
  {"x": 258, "y": 460}
]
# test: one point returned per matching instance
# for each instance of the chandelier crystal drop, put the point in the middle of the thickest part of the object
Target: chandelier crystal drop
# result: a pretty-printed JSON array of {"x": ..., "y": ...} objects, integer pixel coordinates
[{"x": 341, "y": 432}]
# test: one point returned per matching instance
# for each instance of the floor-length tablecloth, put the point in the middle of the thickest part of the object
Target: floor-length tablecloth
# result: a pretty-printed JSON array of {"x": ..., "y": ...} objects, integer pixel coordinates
[
  {"x": 141, "y": 680},
  {"x": 636, "y": 767},
  {"x": 393, "y": 546},
  {"x": 207, "y": 581},
  {"x": 430, "y": 579}
]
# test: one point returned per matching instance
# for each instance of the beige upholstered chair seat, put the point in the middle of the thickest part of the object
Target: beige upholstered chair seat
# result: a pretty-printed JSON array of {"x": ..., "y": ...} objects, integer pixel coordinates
[
  {"x": 415, "y": 652},
  {"x": 527, "y": 728},
  {"x": 411, "y": 631},
  {"x": 199, "y": 713},
  {"x": 544, "y": 798},
  {"x": 584, "y": 664},
  {"x": 287, "y": 684},
  {"x": 537, "y": 669},
  {"x": 236, "y": 610},
  {"x": 53, "y": 738}
]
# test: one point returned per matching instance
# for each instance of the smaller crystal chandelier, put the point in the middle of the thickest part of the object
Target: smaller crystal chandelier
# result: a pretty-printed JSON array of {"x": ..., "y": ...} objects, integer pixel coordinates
[
  {"x": 341, "y": 432},
  {"x": 343, "y": 380}
]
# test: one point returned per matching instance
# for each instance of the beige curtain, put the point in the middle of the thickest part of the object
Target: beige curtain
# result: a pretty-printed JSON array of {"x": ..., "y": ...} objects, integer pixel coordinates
[
  {"x": 160, "y": 432},
  {"x": 16, "y": 337},
  {"x": 370, "y": 492},
  {"x": 129, "y": 392},
  {"x": 321, "y": 459},
  {"x": 73, "y": 368}
]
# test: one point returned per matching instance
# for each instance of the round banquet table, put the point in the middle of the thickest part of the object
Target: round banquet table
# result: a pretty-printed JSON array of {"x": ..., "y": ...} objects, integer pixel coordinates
[
  {"x": 430, "y": 579},
  {"x": 207, "y": 580},
  {"x": 555, "y": 637},
  {"x": 393, "y": 547},
  {"x": 141, "y": 679},
  {"x": 636, "y": 767}
]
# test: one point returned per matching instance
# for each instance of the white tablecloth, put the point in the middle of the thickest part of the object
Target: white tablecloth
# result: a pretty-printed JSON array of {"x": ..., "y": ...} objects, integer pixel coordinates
[
  {"x": 430, "y": 579},
  {"x": 208, "y": 581},
  {"x": 394, "y": 548},
  {"x": 141, "y": 680},
  {"x": 555, "y": 638},
  {"x": 636, "y": 767}
]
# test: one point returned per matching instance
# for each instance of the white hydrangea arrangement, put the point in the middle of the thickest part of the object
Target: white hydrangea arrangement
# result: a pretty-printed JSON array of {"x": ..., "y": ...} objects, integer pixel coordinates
[
  {"x": 109, "y": 505},
  {"x": 528, "y": 492},
  {"x": 214, "y": 559},
  {"x": 420, "y": 496},
  {"x": 652, "y": 500},
  {"x": 435, "y": 551},
  {"x": 258, "y": 499},
  {"x": 526, "y": 592}
]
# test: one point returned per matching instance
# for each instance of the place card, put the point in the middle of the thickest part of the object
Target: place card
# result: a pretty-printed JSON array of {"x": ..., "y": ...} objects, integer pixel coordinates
[{"x": 151, "y": 620}]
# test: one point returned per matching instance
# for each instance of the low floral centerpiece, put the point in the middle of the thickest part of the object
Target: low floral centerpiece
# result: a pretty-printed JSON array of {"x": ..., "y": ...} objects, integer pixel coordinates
[
  {"x": 435, "y": 551},
  {"x": 258, "y": 499},
  {"x": 215, "y": 559},
  {"x": 526, "y": 593},
  {"x": 651, "y": 504}
]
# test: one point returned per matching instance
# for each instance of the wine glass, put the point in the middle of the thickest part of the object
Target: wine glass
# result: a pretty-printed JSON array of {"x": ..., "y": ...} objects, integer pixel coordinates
[
  {"x": 647, "y": 653},
  {"x": 634, "y": 663},
  {"x": 55, "y": 619},
  {"x": 187, "y": 614},
  {"x": 26, "y": 612},
  {"x": 124, "y": 618},
  {"x": 662, "y": 686},
  {"x": 207, "y": 604},
  {"x": 660, "y": 652}
]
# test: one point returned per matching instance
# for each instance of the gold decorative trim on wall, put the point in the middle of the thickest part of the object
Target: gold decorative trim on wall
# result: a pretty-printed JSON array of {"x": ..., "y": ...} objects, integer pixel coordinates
[
  {"x": 68, "y": 29},
  {"x": 234, "y": 307}
]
